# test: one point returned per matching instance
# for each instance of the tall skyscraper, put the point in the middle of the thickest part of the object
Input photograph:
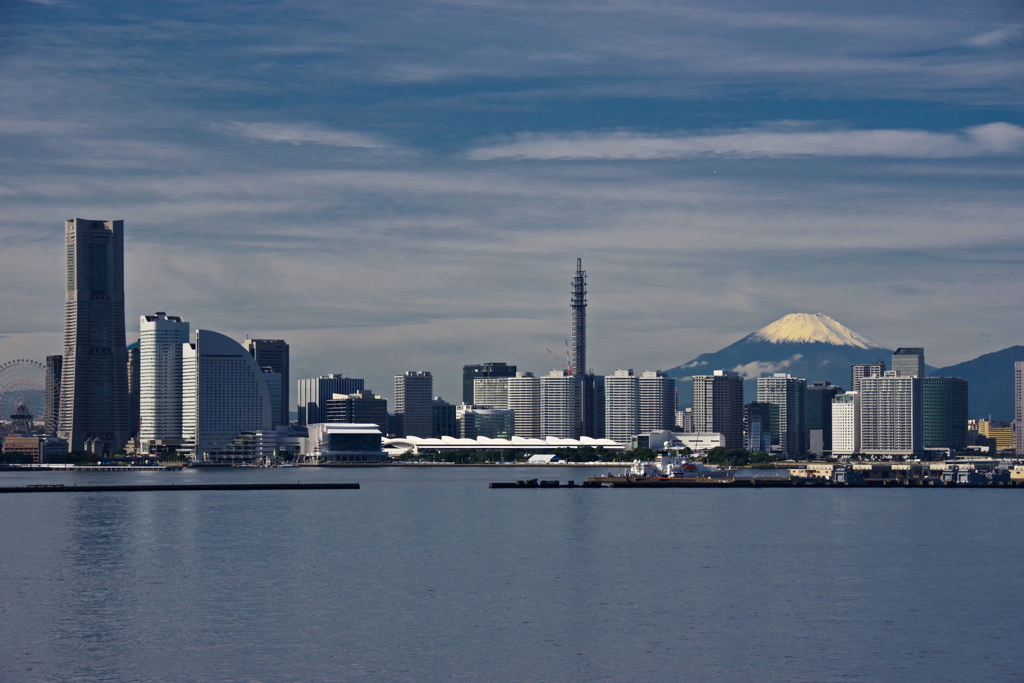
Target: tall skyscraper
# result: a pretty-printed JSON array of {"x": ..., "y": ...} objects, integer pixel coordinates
[
  {"x": 789, "y": 394},
  {"x": 273, "y": 354},
  {"x": 524, "y": 399},
  {"x": 657, "y": 401},
  {"x": 54, "y": 366},
  {"x": 621, "y": 406},
  {"x": 718, "y": 406},
  {"x": 473, "y": 372},
  {"x": 414, "y": 392},
  {"x": 161, "y": 337},
  {"x": 819, "y": 415},
  {"x": 559, "y": 405},
  {"x": 1018, "y": 371},
  {"x": 134, "y": 388},
  {"x": 578, "y": 303},
  {"x": 224, "y": 395},
  {"x": 94, "y": 380},
  {"x": 876, "y": 369},
  {"x": 944, "y": 406},
  {"x": 846, "y": 423},
  {"x": 908, "y": 362},
  {"x": 315, "y": 392},
  {"x": 891, "y": 416}
]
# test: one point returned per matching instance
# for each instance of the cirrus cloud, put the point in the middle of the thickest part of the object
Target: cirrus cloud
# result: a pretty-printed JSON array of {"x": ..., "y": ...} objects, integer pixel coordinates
[{"x": 788, "y": 140}]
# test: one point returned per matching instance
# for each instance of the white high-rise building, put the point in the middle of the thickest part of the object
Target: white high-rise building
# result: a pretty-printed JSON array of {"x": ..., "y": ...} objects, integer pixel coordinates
[
  {"x": 846, "y": 423},
  {"x": 891, "y": 415},
  {"x": 231, "y": 395},
  {"x": 621, "y": 406},
  {"x": 684, "y": 421},
  {"x": 188, "y": 392},
  {"x": 718, "y": 406},
  {"x": 491, "y": 392},
  {"x": 524, "y": 399},
  {"x": 657, "y": 402},
  {"x": 560, "y": 403},
  {"x": 160, "y": 365},
  {"x": 414, "y": 404}
]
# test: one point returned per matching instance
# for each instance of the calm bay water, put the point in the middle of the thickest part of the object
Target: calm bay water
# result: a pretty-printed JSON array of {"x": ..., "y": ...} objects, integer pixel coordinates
[{"x": 425, "y": 574}]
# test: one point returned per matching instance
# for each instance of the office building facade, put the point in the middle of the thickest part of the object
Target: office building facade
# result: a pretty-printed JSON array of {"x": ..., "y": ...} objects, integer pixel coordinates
[
  {"x": 414, "y": 400},
  {"x": 475, "y": 422},
  {"x": 819, "y": 416},
  {"x": 718, "y": 406},
  {"x": 876, "y": 369},
  {"x": 891, "y": 415},
  {"x": 846, "y": 423},
  {"x": 524, "y": 400},
  {"x": 789, "y": 425},
  {"x": 944, "y": 412},
  {"x": 314, "y": 393},
  {"x": 621, "y": 406},
  {"x": 54, "y": 367},
  {"x": 94, "y": 380},
  {"x": 657, "y": 401},
  {"x": 445, "y": 423},
  {"x": 274, "y": 354},
  {"x": 491, "y": 392},
  {"x": 480, "y": 371},
  {"x": 161, "y": 337},
  {"x": 908, "y": 362},
  {"x": 134, "y": 389},
  {"x": 361, "y": 407}
]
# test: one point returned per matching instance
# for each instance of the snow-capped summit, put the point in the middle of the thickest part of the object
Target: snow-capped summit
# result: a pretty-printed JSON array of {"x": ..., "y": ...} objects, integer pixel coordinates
[{"x": 807, "y": 328}]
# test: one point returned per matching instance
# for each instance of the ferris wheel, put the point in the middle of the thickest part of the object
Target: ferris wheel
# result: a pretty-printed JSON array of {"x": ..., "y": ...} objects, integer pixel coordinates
[{"x": 24, "y": 385}]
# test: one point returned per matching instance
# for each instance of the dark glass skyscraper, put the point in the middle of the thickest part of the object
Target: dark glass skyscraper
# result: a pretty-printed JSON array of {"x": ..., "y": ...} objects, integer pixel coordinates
[
  {"x": 819, "y": 411},
  {"x": 944, "y": 401},
  {"x": 94, "y": 380},
  {"x": 54, "y": 365},
  {"x": 273, "y": 354}
]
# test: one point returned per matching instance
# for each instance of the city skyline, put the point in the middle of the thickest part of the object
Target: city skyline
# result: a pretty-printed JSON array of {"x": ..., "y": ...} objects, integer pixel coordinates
[{"x": 715, "y": 166}]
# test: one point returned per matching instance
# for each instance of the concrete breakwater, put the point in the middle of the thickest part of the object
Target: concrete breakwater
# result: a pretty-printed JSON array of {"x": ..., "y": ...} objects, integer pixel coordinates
[{"x": 61, "y": 488}]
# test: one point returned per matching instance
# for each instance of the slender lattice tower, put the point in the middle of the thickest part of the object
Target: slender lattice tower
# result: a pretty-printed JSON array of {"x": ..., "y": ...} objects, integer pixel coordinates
[{"x": 578, "y": 302}]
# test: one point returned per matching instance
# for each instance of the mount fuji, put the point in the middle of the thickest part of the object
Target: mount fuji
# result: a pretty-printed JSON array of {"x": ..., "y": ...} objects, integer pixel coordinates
[{"x": 808, "y": 345}]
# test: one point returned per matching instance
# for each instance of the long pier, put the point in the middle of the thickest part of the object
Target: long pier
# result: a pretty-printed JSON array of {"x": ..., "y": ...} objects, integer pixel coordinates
[
  {"x": 61, "y": 488},
  {"x": 744, "y": 483}
]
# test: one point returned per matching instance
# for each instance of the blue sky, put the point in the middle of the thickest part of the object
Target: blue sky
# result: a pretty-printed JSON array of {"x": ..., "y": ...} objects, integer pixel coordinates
[{"x": 407, "y": 185}]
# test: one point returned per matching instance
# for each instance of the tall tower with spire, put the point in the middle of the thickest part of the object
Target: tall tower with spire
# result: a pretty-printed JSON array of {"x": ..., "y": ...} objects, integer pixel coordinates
[
  {"x": 578, "y": 302},
  {"x": 589, "y": 389}
]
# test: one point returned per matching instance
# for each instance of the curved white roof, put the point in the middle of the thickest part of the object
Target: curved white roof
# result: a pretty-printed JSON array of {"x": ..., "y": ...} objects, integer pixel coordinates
[{"x": 515, "y": 443}]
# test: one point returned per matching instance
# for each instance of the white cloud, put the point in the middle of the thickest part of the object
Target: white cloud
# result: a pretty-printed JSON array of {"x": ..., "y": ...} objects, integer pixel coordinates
[
  {"x": 757, "y": 368},
  {"x": 998, "y": 37},
  {"x": 789, "y": 140},
  {"x": 298, "y": 134}
]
